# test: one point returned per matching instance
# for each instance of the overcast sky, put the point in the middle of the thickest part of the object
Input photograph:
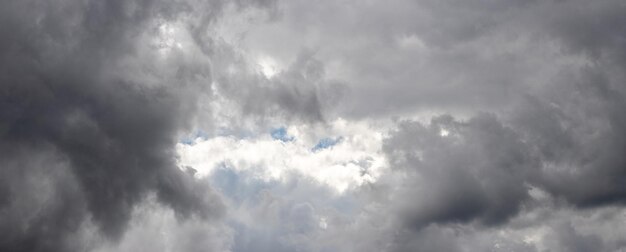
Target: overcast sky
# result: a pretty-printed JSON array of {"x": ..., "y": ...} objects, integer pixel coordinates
[{"x": 297, "y": 125}]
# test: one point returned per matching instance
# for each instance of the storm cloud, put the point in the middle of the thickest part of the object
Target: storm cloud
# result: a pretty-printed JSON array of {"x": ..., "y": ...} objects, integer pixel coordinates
[
  {"x": 92, "y": 108},
  {"x": 272, "y": 125}
]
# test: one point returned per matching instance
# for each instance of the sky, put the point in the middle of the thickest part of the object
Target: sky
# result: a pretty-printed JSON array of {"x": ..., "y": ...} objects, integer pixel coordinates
[{"x": 330, "y": 125}]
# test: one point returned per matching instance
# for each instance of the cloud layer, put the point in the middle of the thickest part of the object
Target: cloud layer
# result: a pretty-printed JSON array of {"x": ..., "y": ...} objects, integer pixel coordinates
[{"x": 270, "y": 125}]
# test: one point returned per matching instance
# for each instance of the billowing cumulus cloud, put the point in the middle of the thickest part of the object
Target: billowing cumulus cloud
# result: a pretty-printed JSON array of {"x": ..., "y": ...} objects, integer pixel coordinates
[{"x": 274, "y": 125}]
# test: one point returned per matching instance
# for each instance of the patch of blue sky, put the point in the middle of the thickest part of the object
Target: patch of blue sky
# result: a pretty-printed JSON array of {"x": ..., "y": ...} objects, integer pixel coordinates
[
  {"x": 239, "y": 186},
  {"x": 326, "y": 143},
  {"x": 191, "y": 139},
  {"x": 281, "y": 135}
]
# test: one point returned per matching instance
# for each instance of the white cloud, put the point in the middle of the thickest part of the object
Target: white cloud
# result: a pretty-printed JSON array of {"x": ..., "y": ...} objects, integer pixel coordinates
[{"x": 354, "y": 160}]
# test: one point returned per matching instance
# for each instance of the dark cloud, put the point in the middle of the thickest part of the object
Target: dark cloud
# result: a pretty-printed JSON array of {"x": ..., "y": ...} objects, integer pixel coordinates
[
  {"x": 90, "y": 112},
  {"x": 577, "y": 132},
  {"x": 481, "y": 170},
  {"x": 42, "y": 209},
  {"x": 459, "y": 171},
  {"x": 591, "y": 28}
]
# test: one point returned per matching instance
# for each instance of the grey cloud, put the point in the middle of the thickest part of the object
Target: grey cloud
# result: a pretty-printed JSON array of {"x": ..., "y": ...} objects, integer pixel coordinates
[
  {"x": 300, "y": 92},
  {"x": 573, "y": 241},
  {"x": 548, "y": 73},
  {"x": 552, "y": 72},
  {"x": 449, "y": 56},
  {"x": 154, "y": 227},
  {"x": 94, "y": 95},
  {"x": 577, "y": 131},
  {"x": 428, "y": 240},
  {"x": 578, "y": 27},
  {"x": 568, "y": 229},
  {"x": 481, "y": 170},
  {"x": 475, "y": 172},
  {"x": 385, "y": 77},
  {"x": 83, "y": 87},
  {"x": 566, "y": 140},
  {"x": 40, "y": 208}
]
